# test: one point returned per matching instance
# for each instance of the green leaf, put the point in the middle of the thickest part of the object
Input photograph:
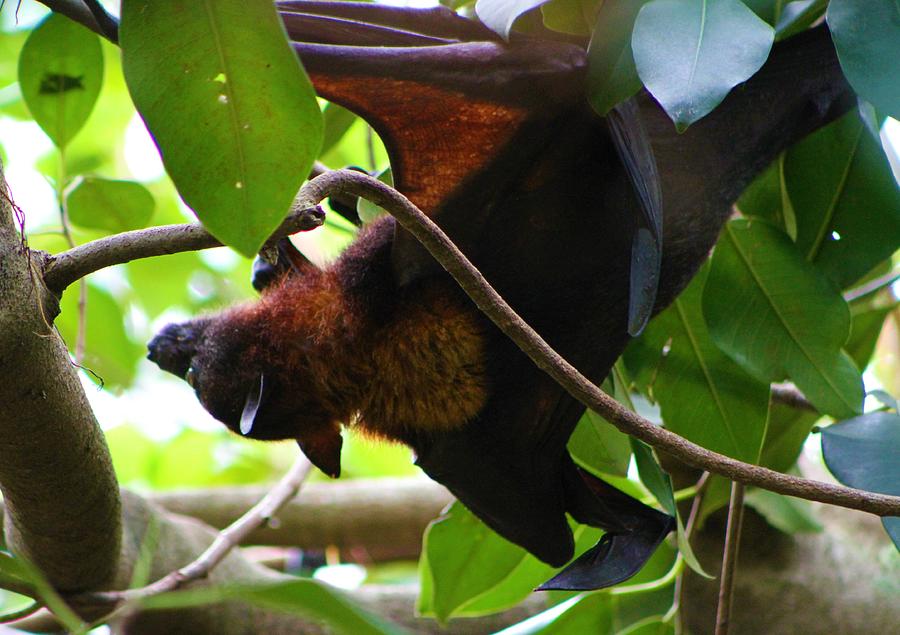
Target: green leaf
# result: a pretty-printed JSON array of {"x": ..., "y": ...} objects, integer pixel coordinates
[
  {"x": 775, "y": 315},
  {"x": 592, "y": 613},
  {"x": 574, "y": 17},
  {"x": 655, "y": 625},
  {"x": 867, "y": 38},
  {"x": 864, "y": 332},
  {"x": 767, "y": 198},
  {"x": 703, "y": 395},
  {"x": 499, "y": 15},
  {"x": 787, "y": 514},
  {"x": 652, "y": 475},
  {"x": 114, "y": 206},
  {"x": 60, "y": 74},
  {"x": 691, "y": 53},
  {"x": 13, "y": 573},
  {"x": 797, "y": 16},
  {"x": 232, "y": 111},
  {"x": 109, "y": 352},
  {"x": 337, "y": 120},
  {"x": 845, "y": 199},
  {"x": 862, "y": 452},
  {"x": 612, "y": 76},
  {"x": 599, "y": 446},
  {"x": 465, "y": 559},
  {"x": 301, "y": 597}
]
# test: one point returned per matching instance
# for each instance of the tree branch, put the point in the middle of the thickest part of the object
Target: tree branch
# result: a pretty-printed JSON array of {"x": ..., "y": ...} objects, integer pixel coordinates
[
  {"x": 367, "y": 519},
  {"x": 225, "y": 541},
  {"x": 548, "y": 360},
  {"x": 730, "y": 558},
  {"x": 65, "y": 268}
]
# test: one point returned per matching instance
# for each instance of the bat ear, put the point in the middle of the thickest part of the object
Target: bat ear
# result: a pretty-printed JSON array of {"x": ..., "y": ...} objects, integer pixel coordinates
[{"x": 322, "y": 446}]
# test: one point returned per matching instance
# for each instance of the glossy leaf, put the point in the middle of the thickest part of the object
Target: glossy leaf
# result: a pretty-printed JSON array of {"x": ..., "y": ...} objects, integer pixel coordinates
[
  {"x": 499, "y": 15},
  {"x": 591, "y": 613},
  {"x": 114, "y": 206},
  {"x": 766, "y": 197},
  {"x": 862, "y": 452},
  {"x": 300, "y": 597},
  {"x": 867, "y": 38},
  {"x": 703, "y": 395},
  {"x": 60, "y": 74},
  {"x": 776, "y": 316},
  {"x": 845, "y": 198},
  {"x": 221, "y": 94},
  {"x": 599, "y": 446},
  {"x": 691, "y": 53},
  {"x": 612, "y": 75}
]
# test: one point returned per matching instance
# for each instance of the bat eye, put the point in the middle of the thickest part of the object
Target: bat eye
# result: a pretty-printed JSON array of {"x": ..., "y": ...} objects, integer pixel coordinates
[{"x": 191, "y": 377}]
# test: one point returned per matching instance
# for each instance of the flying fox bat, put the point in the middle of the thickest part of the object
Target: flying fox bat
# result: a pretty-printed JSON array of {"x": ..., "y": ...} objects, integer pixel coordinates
[{"x": 585, "y": 225}]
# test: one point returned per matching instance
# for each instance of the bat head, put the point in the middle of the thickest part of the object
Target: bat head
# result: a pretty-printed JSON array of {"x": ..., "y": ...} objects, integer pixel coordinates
[{"x": 240, "y": 381}]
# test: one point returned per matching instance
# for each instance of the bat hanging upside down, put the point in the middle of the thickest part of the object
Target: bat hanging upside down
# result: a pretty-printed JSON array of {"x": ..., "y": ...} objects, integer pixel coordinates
[{"x": 561, "y": 210}]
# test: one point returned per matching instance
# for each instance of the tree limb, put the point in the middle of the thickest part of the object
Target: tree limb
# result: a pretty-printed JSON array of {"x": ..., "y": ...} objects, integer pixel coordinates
[
  {"x": 495, "y": 307},
  {"x": 65, "y": 268}
]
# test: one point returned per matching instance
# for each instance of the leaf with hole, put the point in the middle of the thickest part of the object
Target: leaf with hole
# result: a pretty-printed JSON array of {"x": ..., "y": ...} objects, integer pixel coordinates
[
  {"x": 220, "y": 94},
  {"x": 60, "y": 74},
  {"x": 777, "y": 316}
]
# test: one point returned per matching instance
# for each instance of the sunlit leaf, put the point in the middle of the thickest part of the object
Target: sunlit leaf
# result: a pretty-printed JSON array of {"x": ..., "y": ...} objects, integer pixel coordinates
[
  {"x": 337, "y": 120},
  {"x": 775, "y": 315},
  {"x": 691, "y": 53},
  {"x": 867, "y": 38},
  {"x": 115, "y": 206},
  {"x": 220, "y": 93},
  {"x": 797, "y": 16},
  {"x": 60, "y": 74},
  {"x": 862, "y": 452}
]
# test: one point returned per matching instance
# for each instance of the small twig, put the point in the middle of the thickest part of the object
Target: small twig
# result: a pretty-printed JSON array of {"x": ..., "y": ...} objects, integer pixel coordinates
[
  {"x": 729, "y": 561},
  {"x": 696, "y": 505},
  {"x": 580, "y": 387},
  {"x": 872, "y": 286},
  {"x": 788, "y": 394},
  {"x": 227, "y": 539},
  {"x": 63, "y": 269},
  {"x": 109, "y": 26}
]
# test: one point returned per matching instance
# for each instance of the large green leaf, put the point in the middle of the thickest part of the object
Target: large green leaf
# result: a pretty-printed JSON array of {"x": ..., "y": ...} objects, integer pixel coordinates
[
  {"x": 845, "y": 199},
  {"x": 612, "y": 76},
  {"x": 229, "y": 106},
  {"x": 691, "y": 53},
  {"x": 301, "y": 597},
  {"x": 499, "y": 15},
  {"x": 864, "y": 332},
  {"x": 798, "y": 16},
  {"x": 465, "y": 559},
  {"x": 599, "y": 446},
  {"x": 774, "y": 314},
  {"x": 575, "y": 17},
  {"x": 863, "y": 452},
  {"x": 60, "y": 74},
  {"x": 703, "y": 395},
  {"x": 867, "y": 38},
  {"x": 766, "y": 197},
  {"x": 114, "y": 206}
]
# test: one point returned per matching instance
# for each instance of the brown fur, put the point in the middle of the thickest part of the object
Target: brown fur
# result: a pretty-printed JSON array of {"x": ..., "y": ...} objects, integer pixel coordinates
[{"x": 416, "y": 362}]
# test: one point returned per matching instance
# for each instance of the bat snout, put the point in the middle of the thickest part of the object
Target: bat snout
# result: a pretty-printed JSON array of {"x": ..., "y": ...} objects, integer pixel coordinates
[{"x": 173, "y": 348}]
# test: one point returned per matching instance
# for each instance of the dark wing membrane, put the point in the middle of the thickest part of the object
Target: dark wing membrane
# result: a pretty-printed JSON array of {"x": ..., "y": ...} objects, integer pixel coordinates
[
  {"x": 444, "y": 109},
  {"x": 633, "y": 147}
]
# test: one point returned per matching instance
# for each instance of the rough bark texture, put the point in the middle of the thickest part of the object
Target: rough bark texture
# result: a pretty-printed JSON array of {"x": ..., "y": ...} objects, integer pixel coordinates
[{"x": 62, "y": 505}]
